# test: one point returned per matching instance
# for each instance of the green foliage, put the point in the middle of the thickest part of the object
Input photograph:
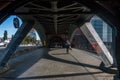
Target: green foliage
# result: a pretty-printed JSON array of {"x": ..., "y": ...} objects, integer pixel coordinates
[
  {"x": 5, "y": 35},
  {"x": 29, "y": 40}
]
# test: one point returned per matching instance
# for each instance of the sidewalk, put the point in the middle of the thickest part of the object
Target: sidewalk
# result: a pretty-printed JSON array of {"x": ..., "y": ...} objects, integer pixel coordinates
[
  {"x": 91, "y": 63},
  {"x": 56, "y": 65}
]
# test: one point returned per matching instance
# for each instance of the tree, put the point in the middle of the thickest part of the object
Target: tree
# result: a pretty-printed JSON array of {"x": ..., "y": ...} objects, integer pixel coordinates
[
  {"x": 29, "y": 40},
  {"x": 26, "y": 40},
  {"x": 5, "y": 35}
]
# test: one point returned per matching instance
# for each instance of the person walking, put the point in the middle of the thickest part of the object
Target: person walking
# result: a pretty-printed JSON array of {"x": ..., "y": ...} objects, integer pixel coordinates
[{"x": 68, "y": 46}]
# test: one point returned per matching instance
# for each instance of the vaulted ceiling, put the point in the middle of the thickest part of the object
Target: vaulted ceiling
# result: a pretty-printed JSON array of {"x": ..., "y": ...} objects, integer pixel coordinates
[{"x": 56, "y": 16}]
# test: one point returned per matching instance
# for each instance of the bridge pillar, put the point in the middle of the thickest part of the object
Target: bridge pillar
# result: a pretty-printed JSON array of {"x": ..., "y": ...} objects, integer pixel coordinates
[
  {"x": 114, "y": 34},
  {"x": 40, "y": 30},
  {"x": 117, "y": 54},
  {"x": 16, "y": 40}
]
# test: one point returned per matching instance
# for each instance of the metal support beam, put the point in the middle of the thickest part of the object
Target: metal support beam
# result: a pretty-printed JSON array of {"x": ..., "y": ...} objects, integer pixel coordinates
[
  {"x": 68, "y": 6},
  {"x": 114, "y": 34},
  {"x": 55, "y": 23},
  {"x": 17, "y": 39},
  {"x": 97, "y": 44},
  {"x": 54, "y": 7},
  {"x": 52, "y": 13},
  {"x": 117, "y": 54},
  {"x": 39, "y": 7}
]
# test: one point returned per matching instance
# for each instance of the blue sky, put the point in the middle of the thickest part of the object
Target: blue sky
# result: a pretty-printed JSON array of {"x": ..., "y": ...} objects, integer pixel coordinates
[{"x": 8, "y": 25}]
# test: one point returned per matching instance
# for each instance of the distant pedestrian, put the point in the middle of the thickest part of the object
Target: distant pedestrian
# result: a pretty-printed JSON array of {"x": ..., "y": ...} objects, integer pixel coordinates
[{"x": 68, "y": 46}]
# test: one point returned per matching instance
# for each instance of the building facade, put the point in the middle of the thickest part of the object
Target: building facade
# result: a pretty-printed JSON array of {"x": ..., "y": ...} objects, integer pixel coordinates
[{"x": 103, "y": 29}]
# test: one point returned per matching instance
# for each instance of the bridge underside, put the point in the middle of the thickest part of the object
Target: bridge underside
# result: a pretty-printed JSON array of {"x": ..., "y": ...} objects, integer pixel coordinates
[{"x": 59, "y": 17}]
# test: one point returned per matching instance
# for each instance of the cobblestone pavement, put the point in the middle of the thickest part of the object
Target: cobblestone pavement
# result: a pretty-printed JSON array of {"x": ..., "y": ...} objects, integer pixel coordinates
[{"x": 55, "y": 65}]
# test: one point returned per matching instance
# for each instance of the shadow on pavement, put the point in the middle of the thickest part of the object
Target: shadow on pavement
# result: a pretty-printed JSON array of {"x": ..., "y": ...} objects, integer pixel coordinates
[
  {"x": 52, "y": 76},
  {"x": 22, "y": 63},
  {"x": 47, "y": 56},
  {"x": 17, "y": 69}
]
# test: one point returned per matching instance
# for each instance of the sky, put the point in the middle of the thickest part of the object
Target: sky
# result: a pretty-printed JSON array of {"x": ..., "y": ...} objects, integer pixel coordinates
[{"x": 8, "y": 25}]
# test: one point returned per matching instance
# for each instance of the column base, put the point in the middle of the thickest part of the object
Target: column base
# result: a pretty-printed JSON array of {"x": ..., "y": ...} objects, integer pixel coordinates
[
  {"x": 111, "y": 70},
  {"x": 4, "y": 69},
  {"x": 116, "y": 77}
]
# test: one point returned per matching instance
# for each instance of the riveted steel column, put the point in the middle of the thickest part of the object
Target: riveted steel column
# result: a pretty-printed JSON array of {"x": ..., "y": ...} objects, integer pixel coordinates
[{"x": 16, "y": 40}]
